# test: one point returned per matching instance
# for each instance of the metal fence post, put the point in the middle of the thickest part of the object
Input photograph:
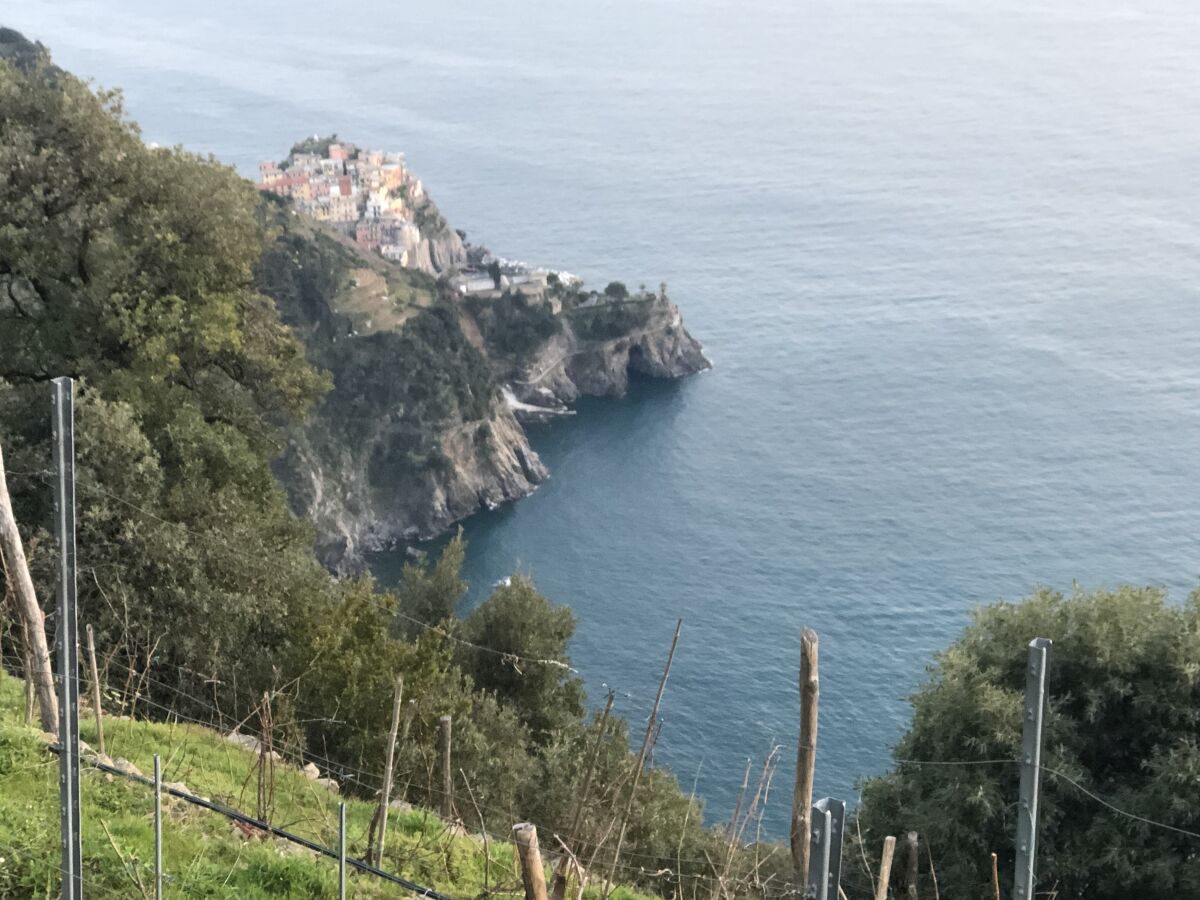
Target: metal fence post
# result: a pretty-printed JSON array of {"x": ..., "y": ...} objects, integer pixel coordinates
[
  {"x": 158, "y": 870},
  {"x": 63, "y": 426},
  {"x": 342, "y": 851},
  {"x": 818, "y": 866},
  {"x": 1031, "y": 767},
  {"x": 825, "y": 872},
  {"x": 837, "y": 809}
]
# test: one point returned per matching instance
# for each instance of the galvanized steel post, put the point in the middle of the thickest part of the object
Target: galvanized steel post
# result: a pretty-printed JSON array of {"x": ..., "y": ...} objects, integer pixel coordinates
[
  {"x": 825, "y": 873},
  {"x": 837, "y": 810},
  {"x": 819, "y": 854},
  {"x": 342, "y": 851},
  {"x": 63, "y": 426},
  {"x": 1031, "y": 767},
  {"x": 158, "y": 875}
]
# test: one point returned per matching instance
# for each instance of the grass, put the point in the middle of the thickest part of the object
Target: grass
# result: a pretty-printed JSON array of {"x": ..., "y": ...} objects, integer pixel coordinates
[
  {"x": 203, "y": 855},
  {"x": 369, "y": 302},
  {"x": 375, "y": 293}
]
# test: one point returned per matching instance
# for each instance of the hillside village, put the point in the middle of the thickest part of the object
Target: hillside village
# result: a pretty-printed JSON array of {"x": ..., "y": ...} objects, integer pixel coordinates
[
  {"x": 368, "y": 195},
  {"x": 372, "y": 198}
]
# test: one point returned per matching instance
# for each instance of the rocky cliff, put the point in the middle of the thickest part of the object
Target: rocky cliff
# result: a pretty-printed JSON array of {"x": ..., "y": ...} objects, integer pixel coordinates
[
  {"x": 576, "y": 362},
  {"x": 430, "y": 386},
  {"x": 364, "y": 496},
  {"x": 431, "y": 245}
]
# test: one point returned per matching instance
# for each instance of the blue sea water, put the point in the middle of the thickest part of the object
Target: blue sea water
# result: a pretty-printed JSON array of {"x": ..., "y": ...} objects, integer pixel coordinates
[{"x": 944, "y": 255}]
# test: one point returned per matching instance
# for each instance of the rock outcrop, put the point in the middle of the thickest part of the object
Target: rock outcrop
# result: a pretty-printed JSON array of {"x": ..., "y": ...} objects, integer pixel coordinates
[
  {"x": 570, "y": 365},
  {"x": 423, "y": 426},
  {"x": 360, "y": 507},
  {"x": 434, "y": 250}
]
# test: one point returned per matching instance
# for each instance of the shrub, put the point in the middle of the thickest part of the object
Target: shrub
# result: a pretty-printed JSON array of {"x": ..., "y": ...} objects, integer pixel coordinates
[{"x": 1124, "y": 689}]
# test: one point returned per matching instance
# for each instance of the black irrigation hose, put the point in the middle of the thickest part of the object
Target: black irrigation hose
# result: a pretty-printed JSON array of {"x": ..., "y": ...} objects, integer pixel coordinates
[{"x": 270, "y": 829}]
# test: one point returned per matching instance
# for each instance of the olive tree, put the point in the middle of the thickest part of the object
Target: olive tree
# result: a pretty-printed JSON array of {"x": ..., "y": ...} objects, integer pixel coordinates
[{"x": 1124, "y": 706}]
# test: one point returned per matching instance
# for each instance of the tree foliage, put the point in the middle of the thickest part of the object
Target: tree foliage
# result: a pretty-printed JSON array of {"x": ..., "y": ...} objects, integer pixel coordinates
[
  {"x": 1124, "y": 688},
  {"x": 610, "y": 319},
  {"x": 516, "y": 623},
  {"x": 431, "y": 593},
  {"x": 130, "y": 269},
  {"x": 512, "y": 323}
]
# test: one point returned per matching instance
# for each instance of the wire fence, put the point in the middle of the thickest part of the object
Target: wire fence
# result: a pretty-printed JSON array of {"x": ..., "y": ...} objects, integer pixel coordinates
[
  {"x": 705, "y": 871},
  {"x": 368, "y": 782},
  {"x": 627, "y": 865},
  {"x": 267, "y": 828}
]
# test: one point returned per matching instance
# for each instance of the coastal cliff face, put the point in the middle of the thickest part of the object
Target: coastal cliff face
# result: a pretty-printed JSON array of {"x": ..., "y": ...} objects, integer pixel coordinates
[
  {"x": 444, "y": 251},
  {"x": 576, "y": 362},
  {"x": 362, "y": 497},
  {"x": 432, "y": 247},
  {"x": 423, "y": 426}
]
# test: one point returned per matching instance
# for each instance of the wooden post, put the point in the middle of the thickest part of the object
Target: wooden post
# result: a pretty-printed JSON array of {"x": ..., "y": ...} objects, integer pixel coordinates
[
  {"x": 806, "y": 759},
  {"x": 996, "y": 876},
  {"x": 32, "y": 618},
  {"x": 885, "y": 868},
  {"x": 410, "y": 713},
  {"x": 91, "y": 647},
  {"x": 385, "y": 796},
  {"x": 447, "y": 773},
  {"x": 559, "y": 890},
  {"x": 266, "y": 761},
  {"x": 914, "y": 857},
  {"x": 641, "y": 760},
  {"x": 27, "y": 660},
  {"x": 532, "y": 874},
  {"x": 10, "y": 600}
]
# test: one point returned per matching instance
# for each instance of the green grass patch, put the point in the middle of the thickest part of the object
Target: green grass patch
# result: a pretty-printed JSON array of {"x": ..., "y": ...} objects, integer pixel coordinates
[{"x": 203, "y": 855}]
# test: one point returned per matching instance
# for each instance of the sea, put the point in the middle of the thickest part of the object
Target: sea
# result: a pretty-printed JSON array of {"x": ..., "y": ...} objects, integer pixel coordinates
[{"x": 943, "y": 254}]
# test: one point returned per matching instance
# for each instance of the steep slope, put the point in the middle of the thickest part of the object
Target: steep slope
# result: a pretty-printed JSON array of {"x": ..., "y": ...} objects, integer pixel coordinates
[
  {"x": 422, "y": 426},
  {"x": 203, "y": 853},
  {"x": 414, "y": 434}
]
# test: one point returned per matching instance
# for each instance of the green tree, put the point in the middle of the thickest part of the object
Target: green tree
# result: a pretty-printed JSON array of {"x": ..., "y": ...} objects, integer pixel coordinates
[
  {"x": 314, "y": 144},
  {"x": 513, "y": 324},
  {"x": 493, "y": 269},
  {"x": 617, "y": 290},
  {"x": 1124, "y": 690},
  {"x": 130, "y": 269},
  {"x": 519, "y": 625},
  {"x": 429, "y": 593}
]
